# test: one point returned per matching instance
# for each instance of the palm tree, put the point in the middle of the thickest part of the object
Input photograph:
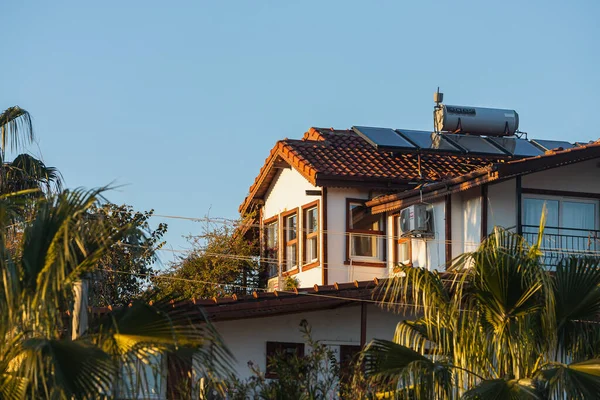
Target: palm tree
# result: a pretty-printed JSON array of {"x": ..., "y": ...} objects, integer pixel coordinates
[
  {"x": 496, "y": 325},
  {"x": 25, "y": 171},
  {"x": 37, "y": 357}
]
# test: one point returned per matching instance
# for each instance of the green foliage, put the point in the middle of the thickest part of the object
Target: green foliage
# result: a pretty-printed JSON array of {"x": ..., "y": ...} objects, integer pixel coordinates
[
  {"x": 60, "y": 245},
  {"x": 314, "y": 376},
  {"x": 129, "y": 259},
  {"x": 291, "y": 283},
  {"x": 221, "y": 254},
  {"x": 496, "y": 325}
]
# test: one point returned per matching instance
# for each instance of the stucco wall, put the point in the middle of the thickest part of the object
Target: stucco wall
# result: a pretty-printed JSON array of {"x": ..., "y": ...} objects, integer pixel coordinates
[
  {"x": 288, "y": 192},
  {"x": 580, "y": 177},
  {"x": 502, "y": 205},
  {"x": 247, "y": 338},
  {"x": 336, "y": 239},
  {"x": 431, "y": 253}
]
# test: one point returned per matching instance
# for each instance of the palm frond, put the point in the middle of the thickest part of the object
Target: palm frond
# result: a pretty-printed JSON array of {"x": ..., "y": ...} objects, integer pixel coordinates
[
  {"x": 393, "y": 365},
  {"x": 577, "y": 293},
  {"x": 500, "y": 389},
  {"x": 578, "y": 380},
  {"x": 15, "y": 127},
  {"x": 142, "y": 330},
  {"x": 72, "y": 368},
  {"x": 28, "y": 172}
]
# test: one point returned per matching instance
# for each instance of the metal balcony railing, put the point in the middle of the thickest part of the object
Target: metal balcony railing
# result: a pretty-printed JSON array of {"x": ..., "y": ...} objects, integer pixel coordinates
[{"x": 559, "y": 242}]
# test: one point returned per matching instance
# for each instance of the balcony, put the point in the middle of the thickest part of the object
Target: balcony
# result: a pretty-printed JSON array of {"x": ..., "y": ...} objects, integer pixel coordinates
[{"x": 559, "y": 243}]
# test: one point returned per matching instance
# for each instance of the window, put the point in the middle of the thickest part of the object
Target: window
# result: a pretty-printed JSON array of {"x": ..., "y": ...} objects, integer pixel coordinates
[
  {"x": 272, "y": 247},
  {"x": 311, "y": 234},
  {"x": 365, "y": 232},
  {"x": 285, "y": 350},
  {"x": 570, "y": 225},
  {"x": 348, "y": 356},
  {"x": 291, "y": 241}
]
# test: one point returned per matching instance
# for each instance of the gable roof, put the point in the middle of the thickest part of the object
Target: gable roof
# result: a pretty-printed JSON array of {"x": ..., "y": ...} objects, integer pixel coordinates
[
  {"x": 492, "y": 172},
  {"x": 341, "y": 158}
]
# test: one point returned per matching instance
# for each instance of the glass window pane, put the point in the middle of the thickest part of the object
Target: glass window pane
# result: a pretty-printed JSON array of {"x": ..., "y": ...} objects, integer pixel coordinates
[
  {"x": 291, "y": 256},
  {"x": 311, "y": 220},
  {"x": 272, "y": 249},
  {"x": 290, "y": 227},
  {"x": 581, "y": 219},
  {"x": 578, "y": 215},
  {"x": 403, "y": 252},
  {"x": 363, "y": 245},
  {"x": 362, "y": 219},
  {"x": 532, "y": 212},
  {"x": 311, "y": 249}
]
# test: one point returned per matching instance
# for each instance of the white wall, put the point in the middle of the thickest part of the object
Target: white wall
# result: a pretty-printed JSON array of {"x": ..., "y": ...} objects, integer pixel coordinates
[
  {"x": 247, "y": 338},
  {"x": 288, "y": 192},
  {"x": 336, "y": 239},
  {"x": 431, "y": 253},
  {"x": 502, "y": 205},
  {"x": 580, "y": 177},
  {"x": 471, "y": 219}
]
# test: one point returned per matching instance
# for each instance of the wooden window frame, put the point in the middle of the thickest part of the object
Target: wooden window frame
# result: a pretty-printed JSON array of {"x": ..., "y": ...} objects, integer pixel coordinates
[
  {"x": 380, "y": 263},
  {"x": 305, "y": 236},
  {"x": 273, "y": 347},
  {"x": 269, "y": 221},
  {"x": 286, "y": 243},
  {"x": 399, "y": 240}
]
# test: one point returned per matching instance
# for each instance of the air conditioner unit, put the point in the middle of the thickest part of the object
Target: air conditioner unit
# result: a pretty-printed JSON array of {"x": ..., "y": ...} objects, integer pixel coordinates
[{"x": 415, "y": 221}]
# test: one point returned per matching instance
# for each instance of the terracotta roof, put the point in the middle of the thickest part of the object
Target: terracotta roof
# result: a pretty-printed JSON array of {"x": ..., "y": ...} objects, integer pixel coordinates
[
  {"x": 267, "y": 304},
  {"x": 341, "y": 158},
  {"x": 492, "y": 172}
]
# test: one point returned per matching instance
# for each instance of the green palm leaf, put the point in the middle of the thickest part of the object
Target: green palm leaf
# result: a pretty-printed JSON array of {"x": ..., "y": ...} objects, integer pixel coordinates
[
  {"x": 500, "y": 389},
  {"x": 580, "y": 380},
  {"x": 15, "y": 126},
  {"x": 74, "y": 368}
]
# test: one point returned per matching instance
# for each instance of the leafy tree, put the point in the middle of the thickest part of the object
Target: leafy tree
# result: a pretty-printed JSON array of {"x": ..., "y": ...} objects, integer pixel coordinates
[
  {"x": 122, "y": 271},
  {"x": 37, "y": 359},
  {"x": 496, "y": 325},
  {"x": 221, "y": 254},
  {"x": 25, "y": 171}
]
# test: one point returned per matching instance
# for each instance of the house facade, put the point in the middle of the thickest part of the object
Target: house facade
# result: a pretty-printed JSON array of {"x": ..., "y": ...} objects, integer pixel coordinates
[
  {"x": 339, "y": 209},
  {"x": 329, "y": 205}
]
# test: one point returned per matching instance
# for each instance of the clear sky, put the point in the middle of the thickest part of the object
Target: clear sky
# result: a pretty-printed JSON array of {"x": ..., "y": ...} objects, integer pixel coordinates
[{"x": 180, "y": 102}]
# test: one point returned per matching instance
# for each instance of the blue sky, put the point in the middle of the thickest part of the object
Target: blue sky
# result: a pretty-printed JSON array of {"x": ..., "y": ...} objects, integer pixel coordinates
[{"x": 181, "y": 104}]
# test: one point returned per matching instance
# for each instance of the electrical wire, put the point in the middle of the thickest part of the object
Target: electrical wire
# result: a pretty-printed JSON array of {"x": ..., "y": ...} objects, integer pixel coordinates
[{"x": 299, "y": 293}]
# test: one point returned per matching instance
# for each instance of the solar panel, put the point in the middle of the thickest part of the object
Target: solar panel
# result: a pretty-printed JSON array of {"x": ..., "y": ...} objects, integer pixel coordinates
[
  {"x": 383, "y": 138},
  {"x": 552, "y": 144},
  {"x": 474, "y": 144},
  {"x": 517, "y": 147},
  {"x": 428, "y": 140}
]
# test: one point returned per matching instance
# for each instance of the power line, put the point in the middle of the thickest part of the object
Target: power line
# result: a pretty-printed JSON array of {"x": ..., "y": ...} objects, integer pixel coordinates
[{"x": 299, "y": 293}]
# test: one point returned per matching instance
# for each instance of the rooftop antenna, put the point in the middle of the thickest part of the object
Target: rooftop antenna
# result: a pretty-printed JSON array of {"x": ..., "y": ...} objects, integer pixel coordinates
[{"x": 438, "y": 97}]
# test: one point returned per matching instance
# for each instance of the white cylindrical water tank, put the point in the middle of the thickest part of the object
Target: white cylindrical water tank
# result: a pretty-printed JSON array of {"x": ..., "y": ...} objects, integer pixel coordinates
[{"x": 476, "y": 120}]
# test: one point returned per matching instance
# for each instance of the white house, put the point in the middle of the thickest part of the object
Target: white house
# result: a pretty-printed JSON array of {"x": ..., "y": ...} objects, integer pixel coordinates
[
  {"x": 330, "y": 206},
  {"x": 340, "y": 209}
]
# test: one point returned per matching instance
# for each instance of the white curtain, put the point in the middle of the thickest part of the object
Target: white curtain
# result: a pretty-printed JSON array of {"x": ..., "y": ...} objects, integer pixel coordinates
[{"x": 581, "y": 217}]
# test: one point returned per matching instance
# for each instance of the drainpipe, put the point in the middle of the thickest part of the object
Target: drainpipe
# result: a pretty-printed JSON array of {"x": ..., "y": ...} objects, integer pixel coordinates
[
  {"x": 363, "y": 324},
  {"x": 519, "y": 201},
  {"x": 325, "y": 249}
]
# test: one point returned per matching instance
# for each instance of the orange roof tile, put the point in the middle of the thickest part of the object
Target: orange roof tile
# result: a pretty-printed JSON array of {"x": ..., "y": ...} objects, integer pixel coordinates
[{"x": 328, "y": 157}]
